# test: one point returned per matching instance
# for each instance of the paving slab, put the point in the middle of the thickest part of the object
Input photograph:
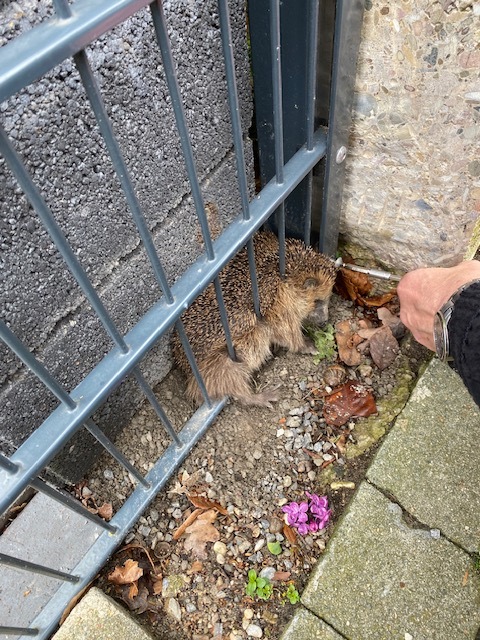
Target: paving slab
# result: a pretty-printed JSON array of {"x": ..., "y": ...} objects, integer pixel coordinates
[
  {"x": 46, "y": 533},
  {"x": 98, "y": 617},
  {"x": 380, "y": 579},
  {"x": 306, "y": 626},
  {"x": 430, "y": 461}
]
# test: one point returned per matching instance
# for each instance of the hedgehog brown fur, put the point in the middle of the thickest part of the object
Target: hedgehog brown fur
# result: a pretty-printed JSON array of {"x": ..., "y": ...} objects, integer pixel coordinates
[{"x": 285, "y": 303}]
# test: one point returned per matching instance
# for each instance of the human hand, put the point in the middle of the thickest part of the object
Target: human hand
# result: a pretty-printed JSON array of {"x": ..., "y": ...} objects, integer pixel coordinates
[{"x": 423, "y": 291}]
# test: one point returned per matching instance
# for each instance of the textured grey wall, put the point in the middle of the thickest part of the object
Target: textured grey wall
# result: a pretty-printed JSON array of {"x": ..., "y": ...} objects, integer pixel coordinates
[{"x": 53, "y": 128}]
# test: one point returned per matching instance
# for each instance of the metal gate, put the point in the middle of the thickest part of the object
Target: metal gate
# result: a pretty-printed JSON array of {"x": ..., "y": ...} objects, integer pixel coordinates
[{"x": 287, "y": 162}]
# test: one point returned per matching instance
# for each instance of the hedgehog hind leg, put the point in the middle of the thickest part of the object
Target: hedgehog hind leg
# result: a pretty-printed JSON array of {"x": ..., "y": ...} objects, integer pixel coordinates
[{"x": 225, "y": 377}]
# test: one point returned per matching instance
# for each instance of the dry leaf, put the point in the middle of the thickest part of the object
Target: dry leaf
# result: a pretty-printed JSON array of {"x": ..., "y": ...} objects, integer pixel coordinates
[
  {"x": 352, "y": 284},
  {"x": 184, "y": 526},
  {"x": 383, "y": 347},
  {"x": 205, "y": 503},
  {"x": 196, "y": 567},
  {"x": 158, "y": 586},
  {"x": 136, "y": 545},
  {"x": 138, "y": 603},
  {"x": 377, "y": 301},
  {"x": 393, "y": 321},
  {"x": 133, "y": 591},
  {"x": 105, "y": 511},
  {"x": 201, "y": 532},
  {"x": 348, "y": 401},
  {"x": 130, "y": 572},
  {"x": 289, "y": 534},
  {"x": 282, "y": 576},
  {"x": 347, "y": 341},
  {"x": 356, "y": 286}
]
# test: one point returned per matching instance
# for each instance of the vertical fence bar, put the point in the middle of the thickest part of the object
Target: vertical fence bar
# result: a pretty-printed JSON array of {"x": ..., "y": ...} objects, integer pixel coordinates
[
  {"x": 311, "y": 73},
  {"x": 123, "y": 175},
  {"x": 234, "y": 106},
  {"x": 24, "y": 565},
  {"x": 121, "y": 169},
  {"x": 46, "y": 216},
  {"x": 278, "y": 121},
  {"x": 19, "y": 631},
  {"x": 72, "y": 504},
  {"x": 175, "y": 95},
  {"x": 158, "y": 17},
  {"x": 7, "y": 464},
  {"x": 10, "y": 339},
  {"x": 62, "y": 8}
]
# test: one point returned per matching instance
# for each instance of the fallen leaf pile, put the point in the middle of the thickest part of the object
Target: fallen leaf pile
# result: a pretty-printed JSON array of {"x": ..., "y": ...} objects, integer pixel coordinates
[
  {"x": 138, "y": 581},
  {"x": 198, "y": 527},
  {"x": 356, "y": 286}
]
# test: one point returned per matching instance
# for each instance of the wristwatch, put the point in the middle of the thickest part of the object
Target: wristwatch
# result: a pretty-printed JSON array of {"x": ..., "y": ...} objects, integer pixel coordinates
[{"x": 440, "y": 324}]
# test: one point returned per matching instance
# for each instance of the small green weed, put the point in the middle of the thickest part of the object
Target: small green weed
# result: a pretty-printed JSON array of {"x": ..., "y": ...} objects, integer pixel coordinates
[
  {"x": 258, "y": 587},
  {"x": 291, "y": 594},
  {"x": 324, "y": 341}
]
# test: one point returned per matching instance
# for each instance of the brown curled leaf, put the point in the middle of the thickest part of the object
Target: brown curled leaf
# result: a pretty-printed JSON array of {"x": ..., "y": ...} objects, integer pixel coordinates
[
  {"x": 347, "y": 342},
  {"x": 205, "y": 503},
  {"x": 289, "y": 534},
  {"x": 130, "y": 572},
  {"x": 190, "y": 520},
  {"x": 351, "y": 400},
  {"x": 377, "y": 301}
]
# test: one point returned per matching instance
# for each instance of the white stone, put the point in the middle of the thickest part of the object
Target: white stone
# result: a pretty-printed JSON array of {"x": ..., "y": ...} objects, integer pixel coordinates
[
  {"x": 254, "y": 631},
  {"x": 220, "y": 547}
]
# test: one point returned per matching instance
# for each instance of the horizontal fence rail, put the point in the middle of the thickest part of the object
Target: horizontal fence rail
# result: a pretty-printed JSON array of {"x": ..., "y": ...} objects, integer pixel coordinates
[{"x": 27, "y": 58}]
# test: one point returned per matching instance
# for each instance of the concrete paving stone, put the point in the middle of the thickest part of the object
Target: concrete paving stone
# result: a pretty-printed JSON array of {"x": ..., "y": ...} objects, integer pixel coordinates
[
  {"x": 429, "y": 461},
  {"x": 383, "y": 580},
  {"x": 46, "y": 533},
  {"x": 98, "y": 617},
  {"x": 305, "y": 626}
]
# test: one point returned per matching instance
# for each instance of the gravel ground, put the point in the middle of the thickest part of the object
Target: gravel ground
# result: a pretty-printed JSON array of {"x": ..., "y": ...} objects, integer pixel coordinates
[{"x": 252, "y": 461}]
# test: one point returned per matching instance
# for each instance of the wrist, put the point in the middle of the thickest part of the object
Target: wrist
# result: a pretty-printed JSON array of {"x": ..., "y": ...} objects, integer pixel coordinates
[{"x": 442, "y": 322}]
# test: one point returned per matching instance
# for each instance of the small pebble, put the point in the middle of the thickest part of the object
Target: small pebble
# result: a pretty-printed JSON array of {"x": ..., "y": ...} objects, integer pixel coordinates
[
  {"x": 287, "y": 481},
  {"x": 257, "y": 454},
  {"x": 267, "y": 572},
  {"x": 248, "y": 614},
  {"x": 259, "y": 544},
  {"x": 254, "y": 631},
  {"x": 435, "y": 533},
  {"x": 220, "y": 548}
]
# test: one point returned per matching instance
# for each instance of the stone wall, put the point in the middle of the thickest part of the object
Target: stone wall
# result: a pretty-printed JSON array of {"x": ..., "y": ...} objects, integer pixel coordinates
[
  {"x": 54, "y": 130},
  {"x": 412, "y": 195}
]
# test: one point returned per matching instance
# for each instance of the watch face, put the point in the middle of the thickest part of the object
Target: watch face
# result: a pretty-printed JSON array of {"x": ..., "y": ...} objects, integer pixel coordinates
[{"x": 440, "y": 336}]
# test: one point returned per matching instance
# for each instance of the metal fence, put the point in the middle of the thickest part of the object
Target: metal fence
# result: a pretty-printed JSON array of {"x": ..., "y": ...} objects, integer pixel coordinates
[{"x": 30, "y": 56}]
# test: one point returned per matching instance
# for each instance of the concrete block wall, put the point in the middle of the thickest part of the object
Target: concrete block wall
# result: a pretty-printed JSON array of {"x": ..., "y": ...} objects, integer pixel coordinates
[
  {"x": 412, "y": 195},
  {"x": 54, "y": 130}
]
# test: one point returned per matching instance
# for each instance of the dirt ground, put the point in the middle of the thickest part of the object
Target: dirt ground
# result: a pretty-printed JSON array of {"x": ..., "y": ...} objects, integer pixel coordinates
[{"x": 251, "y": 462}]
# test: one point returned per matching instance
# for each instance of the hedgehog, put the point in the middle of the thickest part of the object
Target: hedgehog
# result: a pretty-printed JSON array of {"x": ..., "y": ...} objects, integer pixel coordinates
[{"x": 285, "y": 304}]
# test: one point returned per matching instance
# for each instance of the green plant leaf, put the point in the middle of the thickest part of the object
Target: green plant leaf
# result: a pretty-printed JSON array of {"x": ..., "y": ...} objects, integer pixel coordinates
[
  {"x": 275, "y": 548},
  {"x": 324, "y": 340},
  {"x": 252, "y": 575}
]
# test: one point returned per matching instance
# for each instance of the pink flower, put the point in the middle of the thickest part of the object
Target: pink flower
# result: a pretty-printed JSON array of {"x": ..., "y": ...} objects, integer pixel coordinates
[
  {"x": 308, "y": 517},
  {"x": 296, "y": 513}
]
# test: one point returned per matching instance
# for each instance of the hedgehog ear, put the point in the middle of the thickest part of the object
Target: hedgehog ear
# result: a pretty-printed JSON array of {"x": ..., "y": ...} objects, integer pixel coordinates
[{"x": 310, "y": 283}]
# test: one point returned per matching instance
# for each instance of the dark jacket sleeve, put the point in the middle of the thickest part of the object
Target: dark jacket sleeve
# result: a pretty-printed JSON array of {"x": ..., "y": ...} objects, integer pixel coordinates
[{"x": 464, "y": 337}]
